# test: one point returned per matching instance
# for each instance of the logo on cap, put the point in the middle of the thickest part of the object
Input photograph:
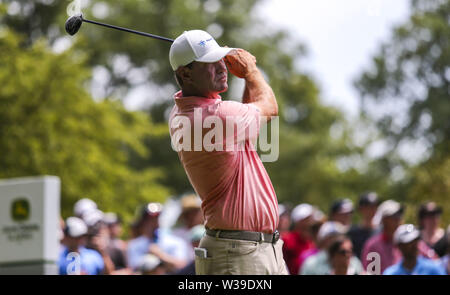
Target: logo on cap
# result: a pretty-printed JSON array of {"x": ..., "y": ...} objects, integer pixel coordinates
[
  {"x": 203, "y": 42},
  {"x": 20, "y": 210}
]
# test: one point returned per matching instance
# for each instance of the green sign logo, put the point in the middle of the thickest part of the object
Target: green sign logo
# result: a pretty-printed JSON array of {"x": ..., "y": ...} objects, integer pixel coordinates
[{"x": 20, "y": 210}]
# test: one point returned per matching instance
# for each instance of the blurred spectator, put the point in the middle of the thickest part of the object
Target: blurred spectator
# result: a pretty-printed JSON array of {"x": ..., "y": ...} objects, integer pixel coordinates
[
  {"x": 136, "y": 229},
  {"x": 61, "y": 236},
  {"x": 445, "y": 260},
  {"x": 284, "y": 225},
  {"x": 359, "y": 234},
  {"x": 98, "y": 237},
  {"x": 342, "y": 211},
  {"x": 429, "y": 224},
  {"x": 196, "y": 233},
  {"x": 340, "y": 254},
  {"x": 389, "y": 215},
  {"x": 150, "y": 265},
  {"x": 84, "y": 206},
  {"x": 191, "y": 215},
  {"x": 171, "y": 250},
  {"x": 318, "y": 264},
  {"x": 318, "y": 220},
  {"x": 85, "y": 261},
  {"x": 116, "y": 247},
  {"x": 407, "y": 237},
  {"x": 298, "y": 240}
]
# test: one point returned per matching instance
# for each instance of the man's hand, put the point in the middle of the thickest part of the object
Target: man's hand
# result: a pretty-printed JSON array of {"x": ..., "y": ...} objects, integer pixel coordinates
[{"x": 241, "y": 63}]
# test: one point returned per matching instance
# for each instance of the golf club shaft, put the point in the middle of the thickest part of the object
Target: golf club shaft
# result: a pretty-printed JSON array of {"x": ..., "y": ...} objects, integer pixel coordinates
[{"x": 128, "y": 30}]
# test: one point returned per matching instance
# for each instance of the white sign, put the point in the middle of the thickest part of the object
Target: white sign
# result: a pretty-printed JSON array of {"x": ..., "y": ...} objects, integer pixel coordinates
[{"x": 29, "y": 220}]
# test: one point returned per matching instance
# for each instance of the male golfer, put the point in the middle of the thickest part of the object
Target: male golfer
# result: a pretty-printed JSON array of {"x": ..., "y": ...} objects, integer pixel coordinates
[{"x": 239, "y": 203}]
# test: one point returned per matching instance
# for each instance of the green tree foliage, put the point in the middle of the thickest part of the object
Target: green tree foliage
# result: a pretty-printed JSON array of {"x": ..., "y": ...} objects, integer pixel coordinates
[
  {"x": 50, "y": 125},
  {"x": 309, "y": 168},
  {"x": 410, "y": 81}
]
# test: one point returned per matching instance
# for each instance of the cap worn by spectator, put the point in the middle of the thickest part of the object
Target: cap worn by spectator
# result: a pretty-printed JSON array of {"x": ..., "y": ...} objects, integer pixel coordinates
[
  {"x": 342, "y": 206},
  {"x": 318, "y": 215},
  {"x": 386, "y": 209},
  {"x": 405, "y": 234},
  {"x": 111, "y": 218},
  {"x": 368, "y": 199},
  {"x": 329, "y": 229},
  {"x": 190, "y": 202},
  {"x": 75, "y": 227},
  {"x": 153, "y": 209},
  {"x": 84, "y": 206},
  {"x": 429, "y": 209},
  {"x": 302, "y": 212},
  {"x": 93, "y": 217}
]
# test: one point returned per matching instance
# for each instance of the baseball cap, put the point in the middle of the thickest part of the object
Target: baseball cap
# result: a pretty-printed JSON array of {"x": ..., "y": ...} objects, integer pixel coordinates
[
  {"x": 301, "y": 212},
  {"x": 111, "y": 218},
  {"x": 190, "y": 202},
  {"x": 83, "y": 206},
  {"x": 429, "y": 208},
  {"x": 75, "y": 227},
  {"x": 368, "y": 199},
  {"x": 195, "y": 45},
  {"x": 405, "y": 234},
  {"x": 153, "y": 209},
  {"x": 330, "y": 228},
  {"x": 342, "y": 206},
  {"x": 93, "y": 217},
  {"x": 386, "y": 209}
]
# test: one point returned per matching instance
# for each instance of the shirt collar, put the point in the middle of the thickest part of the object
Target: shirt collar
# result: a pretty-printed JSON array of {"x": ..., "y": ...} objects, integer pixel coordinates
[{"x": 188, "y": 102}]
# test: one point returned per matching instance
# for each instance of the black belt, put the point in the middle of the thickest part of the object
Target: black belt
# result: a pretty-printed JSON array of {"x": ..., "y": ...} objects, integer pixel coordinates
[{"x": 244, "y": 235}]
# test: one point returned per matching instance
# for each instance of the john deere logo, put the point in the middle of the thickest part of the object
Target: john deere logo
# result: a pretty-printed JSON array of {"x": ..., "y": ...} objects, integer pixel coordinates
[{"x": 20, "y": 210}]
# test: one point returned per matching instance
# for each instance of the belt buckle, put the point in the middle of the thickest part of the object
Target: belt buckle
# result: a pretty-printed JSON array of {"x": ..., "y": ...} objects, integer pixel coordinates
[{"x": 276, "y": 236}]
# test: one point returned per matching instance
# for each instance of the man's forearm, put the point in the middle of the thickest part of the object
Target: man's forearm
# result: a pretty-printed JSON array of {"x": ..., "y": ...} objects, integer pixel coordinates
[{"x": 259, "y": 92}]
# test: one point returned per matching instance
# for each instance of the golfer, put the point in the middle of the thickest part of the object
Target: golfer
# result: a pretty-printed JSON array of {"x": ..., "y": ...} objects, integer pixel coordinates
[{"x": 239, "y": 203}]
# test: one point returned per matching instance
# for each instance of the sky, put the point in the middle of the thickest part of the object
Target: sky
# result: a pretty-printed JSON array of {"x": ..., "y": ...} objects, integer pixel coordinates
[{"x": 341, "y": 37}]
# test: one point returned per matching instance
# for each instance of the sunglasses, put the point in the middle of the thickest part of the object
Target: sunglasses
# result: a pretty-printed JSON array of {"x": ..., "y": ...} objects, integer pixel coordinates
[{"x": 345, "y": 252}]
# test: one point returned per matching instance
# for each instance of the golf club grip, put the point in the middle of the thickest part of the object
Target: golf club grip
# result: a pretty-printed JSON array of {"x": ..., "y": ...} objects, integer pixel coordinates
[{"x": 128, "y": 30}]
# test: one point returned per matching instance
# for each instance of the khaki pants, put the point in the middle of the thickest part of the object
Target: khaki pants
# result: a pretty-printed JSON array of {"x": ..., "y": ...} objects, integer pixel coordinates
[{"x": 239, "y": 257}]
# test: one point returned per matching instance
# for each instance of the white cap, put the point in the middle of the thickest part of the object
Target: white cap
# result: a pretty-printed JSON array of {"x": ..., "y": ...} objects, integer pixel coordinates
[
  {"x": 75, "y": 227},
  {"x": 92, "y": 217},
  {"x": 110, "y": 218},
  {"x": 83, "y": 206},
  {"x": 195, "y": 45},
  {"x": 301, "y": 212},
  {"x": 148, "y": 263},
  {"x": 387, "y": 208},
  {"x": 330, "y": 228},
  {"x": 405, "y": 234}
]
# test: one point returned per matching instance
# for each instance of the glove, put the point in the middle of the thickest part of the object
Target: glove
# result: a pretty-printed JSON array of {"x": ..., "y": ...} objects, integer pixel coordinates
[{"x": 241, "y": 63}]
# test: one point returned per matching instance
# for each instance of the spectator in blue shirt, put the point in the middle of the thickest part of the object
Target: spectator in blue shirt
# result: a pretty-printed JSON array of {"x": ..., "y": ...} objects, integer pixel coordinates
[
  {"x": 406, "y": 237},
  {"x": 172, "y": 251},
  {"x": 74, "y": 257}
]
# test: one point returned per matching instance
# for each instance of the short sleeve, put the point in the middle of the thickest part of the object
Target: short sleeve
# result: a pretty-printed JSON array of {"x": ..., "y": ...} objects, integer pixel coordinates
[{"x": 243, "y": 119}]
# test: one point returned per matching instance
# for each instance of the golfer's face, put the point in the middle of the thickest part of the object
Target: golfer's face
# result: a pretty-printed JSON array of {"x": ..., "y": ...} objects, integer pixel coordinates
[{"x": 210, "y": 77}]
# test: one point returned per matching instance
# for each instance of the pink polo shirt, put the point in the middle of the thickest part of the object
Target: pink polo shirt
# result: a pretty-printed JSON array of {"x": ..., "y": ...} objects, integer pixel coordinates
[{"x": 224, "y": 169}]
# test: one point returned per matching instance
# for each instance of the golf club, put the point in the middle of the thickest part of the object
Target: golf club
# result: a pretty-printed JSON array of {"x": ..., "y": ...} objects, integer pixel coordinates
[{"x": 74, "y": 23}]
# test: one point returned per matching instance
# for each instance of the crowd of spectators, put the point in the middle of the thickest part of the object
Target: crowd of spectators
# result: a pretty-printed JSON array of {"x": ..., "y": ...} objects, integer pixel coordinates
[
  {"x": 380, "y": 243},
  {"x": 315, "y": 243}
]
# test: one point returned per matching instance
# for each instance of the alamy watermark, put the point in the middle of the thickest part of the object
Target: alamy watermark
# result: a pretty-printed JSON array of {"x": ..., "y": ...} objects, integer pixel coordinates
[
  {"x": 74, "y": 266},
  {"x": 230, "y": 134}
]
